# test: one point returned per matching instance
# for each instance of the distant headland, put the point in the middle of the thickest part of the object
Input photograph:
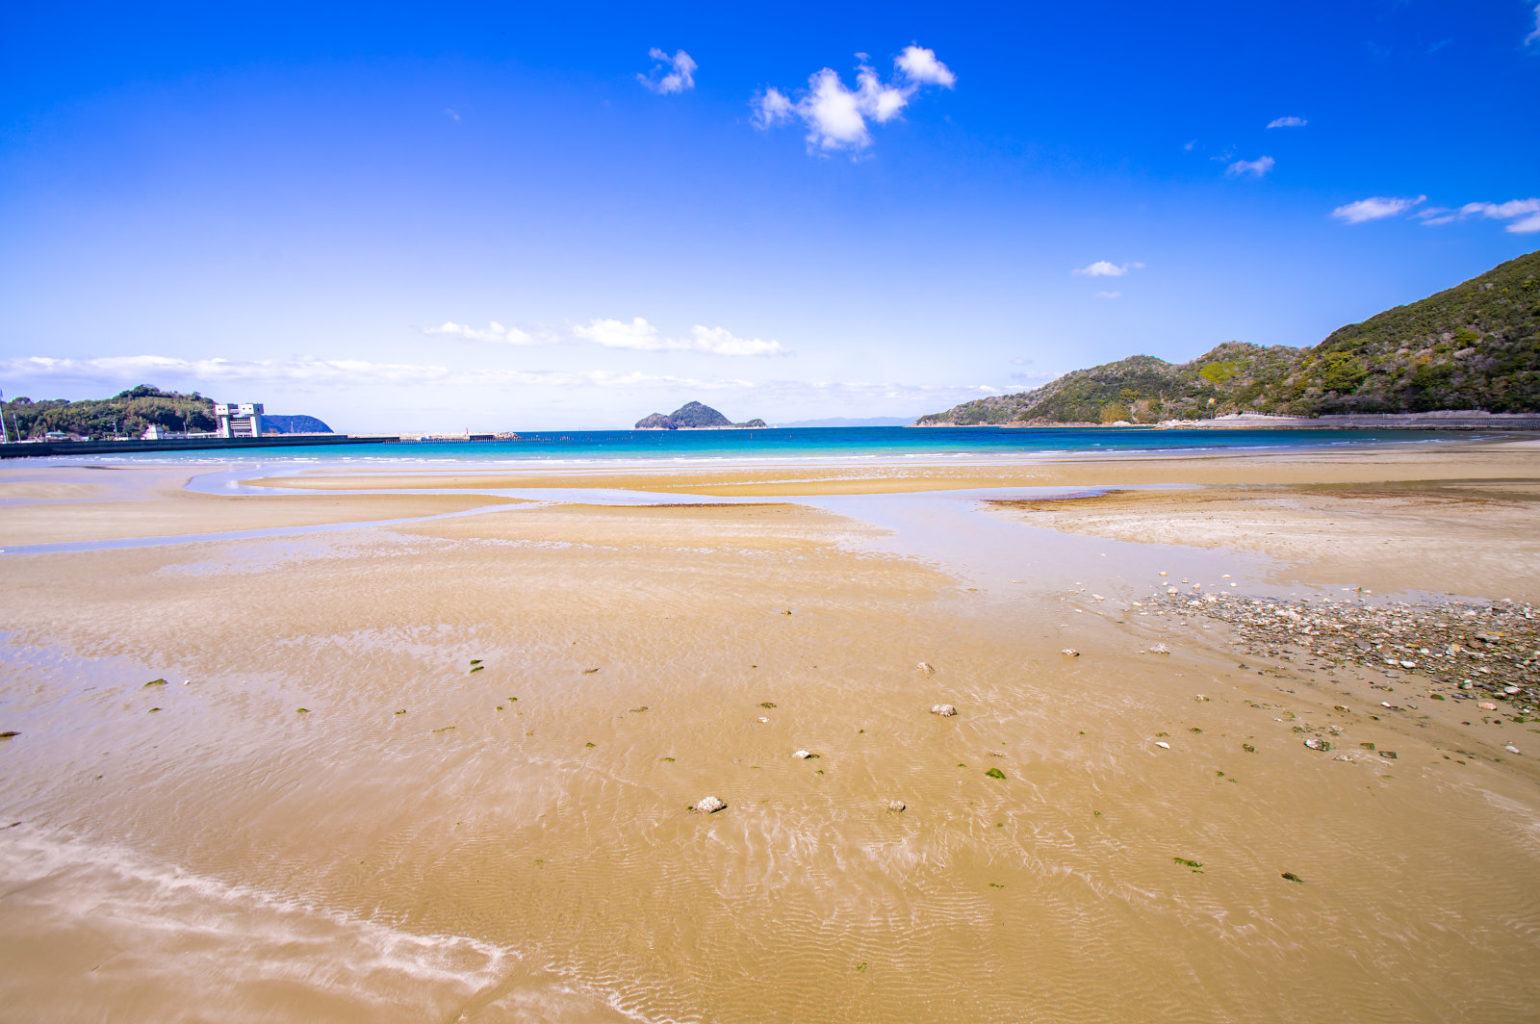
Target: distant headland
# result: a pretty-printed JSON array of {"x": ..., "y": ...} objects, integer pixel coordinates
[
  {"x": 692, "y": 416},
  {"x": 1453, "y": 359}
]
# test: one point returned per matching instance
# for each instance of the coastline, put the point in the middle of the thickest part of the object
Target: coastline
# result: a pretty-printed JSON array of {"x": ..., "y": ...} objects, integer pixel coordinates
[{"x": 459, "y": 852}]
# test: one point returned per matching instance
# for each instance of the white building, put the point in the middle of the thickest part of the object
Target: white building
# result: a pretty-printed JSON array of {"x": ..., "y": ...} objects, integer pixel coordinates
[{"x": 242, "y": 419}]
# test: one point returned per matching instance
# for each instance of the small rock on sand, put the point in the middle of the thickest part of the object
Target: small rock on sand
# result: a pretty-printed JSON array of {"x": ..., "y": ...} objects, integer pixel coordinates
[
  {"x": 944, "y": 710},
  {"x": 896, "y": 806},
  {"x": 1160, "y": 649},
  {"x": 1487, "y": 705},
  {"x": 1163, "y": 745},
  {"x": 803, "y": 755},
  {"x": 708, "y": 805},
  {"x": 927, "y": 668},
  {"x": 1070, "y": 652}
]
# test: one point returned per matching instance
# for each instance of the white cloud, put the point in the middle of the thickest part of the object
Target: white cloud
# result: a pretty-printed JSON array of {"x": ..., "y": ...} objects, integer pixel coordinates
[
  {"x": 450, "y": 113},
  {"x": 642, "y": 336},
  {"x": 1375, "y": 208},
  {"x": 771, "y": 107},
  {"x": 922, "y": 66},
  {"x": 679, "y": 77},
  {"x": 1109, "y": 295},
  {"x": 1524, "y": 213},
  {"x": 1102, "y": 268},
  {"x": 1256, "y": 168},
  {"x": 1533, "y": 36},
  {"x": 494, "y": 332},
  {"x": 837, "y": 116},
  {"x": 1287, "y": 122},
  {"x": 833, "y": 114},
  {"x": 720, "y": 341},
  {"x": 331, "y": 373},
  {"x": 638, "y": 334}
]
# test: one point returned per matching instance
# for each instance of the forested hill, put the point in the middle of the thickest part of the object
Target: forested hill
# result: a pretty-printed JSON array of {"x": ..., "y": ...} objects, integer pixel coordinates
[
  {"x": 1474, "y": 346},
  {"x": 128, "y": 413}
]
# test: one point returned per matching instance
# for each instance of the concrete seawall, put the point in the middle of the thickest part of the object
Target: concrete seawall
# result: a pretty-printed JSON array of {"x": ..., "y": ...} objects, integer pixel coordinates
[{"x": 32, "y": 449}]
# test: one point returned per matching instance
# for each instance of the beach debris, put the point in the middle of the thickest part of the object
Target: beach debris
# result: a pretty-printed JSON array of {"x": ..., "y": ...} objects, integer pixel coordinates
[
  {"x": 1195, "y": 865},
  {"x": 1248, "y": 748},
  {"x": 708, "y": 805},
  {"x": 156, "y": 682},
  {"x": 803, "y": 755},
  {"x": 152, "y": 711},
  {"x": 1485, "y": 705},
  {"x": 302, "y": 711},
  {"x": 767, "y": 703},
  {"x": 1318, "y": 744},
  {"x": 9, "y": 734},
  {"x": 944, "y": 710},
  {"x": 1163, "y": 745},
  {"x": 896, "y": 807},
  {"x": 590, "y": 671},
  {"x": 1389, "y": 755},
  {"x": 401, "y": 712},
  {"x": 927, "y": 668},
  {"x": 1292, "y": 877},
  {"x": 1160, "y": 649},
  {"x": 1510, "y": 748},
  {"x": 1070, "y": 652},
  {"x": 763, "y": 720},
  {"x": 995, "y": 773}
]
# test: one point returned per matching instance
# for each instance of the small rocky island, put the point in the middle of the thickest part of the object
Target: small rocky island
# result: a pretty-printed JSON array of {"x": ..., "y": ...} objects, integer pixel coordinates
[{"x": 691, "y": 416}]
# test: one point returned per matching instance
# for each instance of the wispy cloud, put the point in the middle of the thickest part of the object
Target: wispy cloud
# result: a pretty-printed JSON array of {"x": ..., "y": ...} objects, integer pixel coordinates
[
  {"x": 1287, "y": 122},
  {"x": 451, "y": 113},
  {"x": 1375, "y": 208},
  {"x": 494, "y": 332},
  {"x": 1103, "y": 268},
  {"x": 637, "y": 335},
  {"x": 1254, "y": 168},
  {"x": 331, "y": 373},
  {"x": 1109, "y": 295},
  {"x": 837, "y": 117},
  {"x": 1535, "y": 35},
  {"x": 1524, "y": 214},
  {"x": 669, "y": 74}
]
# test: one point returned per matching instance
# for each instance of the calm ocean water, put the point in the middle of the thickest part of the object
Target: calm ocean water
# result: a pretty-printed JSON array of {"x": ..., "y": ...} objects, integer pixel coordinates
[{"x": 590, "y": 446}]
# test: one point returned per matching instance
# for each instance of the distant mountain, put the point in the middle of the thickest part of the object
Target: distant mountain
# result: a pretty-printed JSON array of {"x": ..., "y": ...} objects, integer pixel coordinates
[
  {"x": 691, "y": 416},
  {"x": 845, "y": 421},
  {"x": 294, "y": 424},
  {"x": 1474, "y": 346}
]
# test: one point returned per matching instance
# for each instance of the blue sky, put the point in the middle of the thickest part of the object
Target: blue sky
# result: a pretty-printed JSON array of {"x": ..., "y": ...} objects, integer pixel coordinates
[{"x": 433, "y": 217}]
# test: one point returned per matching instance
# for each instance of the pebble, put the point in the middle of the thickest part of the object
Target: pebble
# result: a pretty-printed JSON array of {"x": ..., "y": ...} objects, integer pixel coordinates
[
  {"x": 896, "y": 806},
  {"x": 1315, "y": 744},
  {"x": 927, "y": 668},
  {"x": 944, "y": 710},
  {"x": 1160, "y": 649},
  {"x": 708, "y": 805},
  {"x": 803, "y": 755},
  {"x": 1487, "y": 705},
  {"x": 1510, "y": 748},
  {"x": 1070, "y": 652}
]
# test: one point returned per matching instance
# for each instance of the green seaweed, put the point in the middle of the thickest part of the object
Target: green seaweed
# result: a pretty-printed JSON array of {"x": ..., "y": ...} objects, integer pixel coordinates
[
  {"x": 8, "y": 734},
  {"x": 1292, "y": 877},
  {"x": 1184, "y": 862},
  {"x": 1248, "y": 748},
  {"x": 303, "y": 711},
  {"x": 995, "y": 773},
  {"x": 156, "y": 682}
]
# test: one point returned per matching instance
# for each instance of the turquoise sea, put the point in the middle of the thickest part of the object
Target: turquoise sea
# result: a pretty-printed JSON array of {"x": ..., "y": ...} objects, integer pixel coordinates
[{"x": 590, "y": 446}]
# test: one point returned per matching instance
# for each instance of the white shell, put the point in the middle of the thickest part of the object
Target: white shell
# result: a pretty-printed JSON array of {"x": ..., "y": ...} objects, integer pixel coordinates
[{"x": 709, "y": 805}]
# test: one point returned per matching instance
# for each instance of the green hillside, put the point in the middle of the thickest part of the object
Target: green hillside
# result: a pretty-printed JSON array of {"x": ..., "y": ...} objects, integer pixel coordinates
[
  {"x": 1474, "y": 346},
  {"x": 126, "y": 414}
]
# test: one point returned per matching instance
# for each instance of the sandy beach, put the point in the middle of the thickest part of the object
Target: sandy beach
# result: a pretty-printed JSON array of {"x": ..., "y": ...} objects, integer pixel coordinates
[{"x": 307, "y": 752}]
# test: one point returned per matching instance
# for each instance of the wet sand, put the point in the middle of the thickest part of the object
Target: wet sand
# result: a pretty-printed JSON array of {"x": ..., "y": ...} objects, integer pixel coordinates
[{"x": 441, "y": 769}]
